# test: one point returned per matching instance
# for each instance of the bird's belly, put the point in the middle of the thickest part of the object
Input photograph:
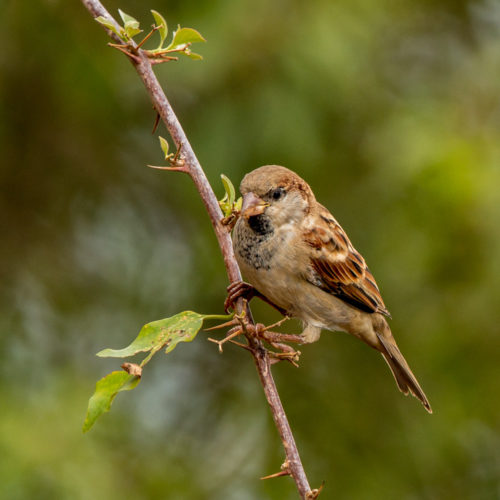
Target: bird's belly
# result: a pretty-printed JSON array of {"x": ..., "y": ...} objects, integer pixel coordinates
[
  {"x": 278, "y": 288},
  {"x": 291, "y": 292},
  {"x": 303, "y": 300}
]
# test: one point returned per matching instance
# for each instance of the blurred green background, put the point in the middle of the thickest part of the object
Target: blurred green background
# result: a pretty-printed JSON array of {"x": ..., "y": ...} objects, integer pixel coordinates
[{"x": 391, "y": 110}]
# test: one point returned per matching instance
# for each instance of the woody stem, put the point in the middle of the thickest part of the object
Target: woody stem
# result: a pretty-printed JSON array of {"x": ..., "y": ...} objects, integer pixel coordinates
[{"x": 161, "y": 104}]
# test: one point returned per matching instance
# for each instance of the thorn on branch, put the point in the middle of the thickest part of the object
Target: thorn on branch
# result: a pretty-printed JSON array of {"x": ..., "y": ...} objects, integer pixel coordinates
[
  {"x": 278, "y": 323},
  {"x": 177, "y": 160},
  {"x": 157, "y": 121},
  {"x": 162, "y": 53},
  {"x": 127, "y": 50},
  {"x": 313, "y": 494},
  {"x": 276, "y": 474},
  {"x": 148, "y": 36},
  {"x": 163, "y": 59},
  {"x": 234, "y": 332},
  {"x": 171, "y": 169},
  {"x": 243, "y": 346},
  {"x": 231, "y": 322},
  {"x": 285, "y": 471}
]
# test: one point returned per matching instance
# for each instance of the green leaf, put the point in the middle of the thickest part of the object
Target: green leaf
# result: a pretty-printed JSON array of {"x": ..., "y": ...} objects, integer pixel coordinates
[
  {"x": 194, "y": 56},
  {"x": 162, "y": 24},
  {"x": 225, "y": 206},
  {"x": 128, "y": 20},
  {"x": 167, "y": 332},
  {"x": 108, "y": 24},
  {"x": 131, "y": 32},
  {"x": 164, "y": 146},
  {"x": 105, "y": 391},
  {"x": 131, "y": 24},
  {"x": 185, "y": 36},
  {"x": 228, "y": 186},
  {"x": 238, "y": 204}
]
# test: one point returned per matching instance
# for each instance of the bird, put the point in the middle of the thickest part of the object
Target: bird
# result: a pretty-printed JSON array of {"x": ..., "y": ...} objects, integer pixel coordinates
[{"x": 296, "y": 256}]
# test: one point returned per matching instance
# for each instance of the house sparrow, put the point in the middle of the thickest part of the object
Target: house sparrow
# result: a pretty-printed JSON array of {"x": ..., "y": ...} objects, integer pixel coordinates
[{"x": 298, "y": 257}]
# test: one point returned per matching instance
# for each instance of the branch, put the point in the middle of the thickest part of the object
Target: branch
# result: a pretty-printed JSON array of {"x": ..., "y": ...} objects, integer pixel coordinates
[{"x": 192, "y": 166}]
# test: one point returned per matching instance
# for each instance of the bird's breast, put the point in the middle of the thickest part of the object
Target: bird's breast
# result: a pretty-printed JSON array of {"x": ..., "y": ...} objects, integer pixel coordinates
[
  {"x": 266, "y": 260},
  {"x": 272, "y": 261},
  {"x": 254, "y": 242}
]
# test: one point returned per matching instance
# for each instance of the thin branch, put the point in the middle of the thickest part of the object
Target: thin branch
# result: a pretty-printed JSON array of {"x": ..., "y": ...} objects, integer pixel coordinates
[{"x": 161, "y": 104}]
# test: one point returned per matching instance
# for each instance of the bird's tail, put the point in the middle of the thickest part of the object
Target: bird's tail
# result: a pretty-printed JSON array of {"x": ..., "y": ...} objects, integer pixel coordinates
[{"x": 397, "y": 363}]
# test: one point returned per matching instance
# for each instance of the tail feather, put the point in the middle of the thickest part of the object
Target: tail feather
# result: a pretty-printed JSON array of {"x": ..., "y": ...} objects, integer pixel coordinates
[{"x": 403, "y": 375}]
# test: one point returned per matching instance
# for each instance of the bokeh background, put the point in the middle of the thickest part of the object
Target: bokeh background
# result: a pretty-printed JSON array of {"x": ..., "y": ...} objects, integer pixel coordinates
[{"x": 391, "y": 110}]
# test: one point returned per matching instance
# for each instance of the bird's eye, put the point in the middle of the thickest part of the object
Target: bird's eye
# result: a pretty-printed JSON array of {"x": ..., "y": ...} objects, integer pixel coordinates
[{"x": 277, "y": 193}]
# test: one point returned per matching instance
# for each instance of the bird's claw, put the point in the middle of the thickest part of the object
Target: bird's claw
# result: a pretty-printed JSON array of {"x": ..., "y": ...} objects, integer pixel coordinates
[
  {"x": 275, "y": 339},
  {"x": 241, "y": 326},
  {"x": 236, "y": 290},
  {"x": 286, "y": 354}
]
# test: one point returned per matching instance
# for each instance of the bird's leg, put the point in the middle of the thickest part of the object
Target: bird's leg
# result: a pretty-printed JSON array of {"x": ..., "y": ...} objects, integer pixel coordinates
[
  {"x": 239, "y": 289},
  {"x": 261, "y": 331},
  {"x": 277, "y": 337},
  {"x": 264, "y": 332}
]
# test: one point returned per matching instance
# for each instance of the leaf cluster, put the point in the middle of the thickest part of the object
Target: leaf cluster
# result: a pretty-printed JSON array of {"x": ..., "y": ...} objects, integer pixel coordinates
[{"x": 182, "y": 38}]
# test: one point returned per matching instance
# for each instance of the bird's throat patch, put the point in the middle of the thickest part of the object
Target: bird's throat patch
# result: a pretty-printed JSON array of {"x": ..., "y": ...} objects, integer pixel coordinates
[{"x": 261, "y": 225}]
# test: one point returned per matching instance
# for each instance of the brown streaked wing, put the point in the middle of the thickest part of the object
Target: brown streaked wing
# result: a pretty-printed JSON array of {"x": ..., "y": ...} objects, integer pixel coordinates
[{"x": 342, "y": 270}]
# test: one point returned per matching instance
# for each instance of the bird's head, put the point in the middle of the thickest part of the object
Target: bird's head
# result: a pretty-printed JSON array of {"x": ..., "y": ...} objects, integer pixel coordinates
[{"x": 278, "y": 193}]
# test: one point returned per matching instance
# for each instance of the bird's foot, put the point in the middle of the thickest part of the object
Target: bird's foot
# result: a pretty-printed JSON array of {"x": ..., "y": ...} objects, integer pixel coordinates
[
  {"x": 286, "y": 353},
  {"x": 275, "y": 339},
  {"x": 239, "y": 289},
  {"x": 263, "y": 332},
  {"x": 236, "y": 290}
]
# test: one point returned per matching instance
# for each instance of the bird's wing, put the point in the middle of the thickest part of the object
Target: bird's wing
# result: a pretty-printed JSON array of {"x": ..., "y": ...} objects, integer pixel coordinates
[{"x": 338, "y": 268}]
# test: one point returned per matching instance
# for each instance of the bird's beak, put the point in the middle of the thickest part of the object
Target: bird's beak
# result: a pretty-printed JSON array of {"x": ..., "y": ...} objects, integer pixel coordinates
[{"x": 252, "y": 205}]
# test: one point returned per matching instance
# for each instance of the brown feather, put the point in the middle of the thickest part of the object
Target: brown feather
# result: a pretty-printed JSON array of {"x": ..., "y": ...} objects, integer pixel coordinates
[
  {"x": 341, "y": 270},
  {"x": 403, "y": 375}
]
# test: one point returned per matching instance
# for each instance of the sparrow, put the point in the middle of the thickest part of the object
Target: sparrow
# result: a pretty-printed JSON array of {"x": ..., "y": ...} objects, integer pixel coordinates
[{"x": 297, "y": 257}]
